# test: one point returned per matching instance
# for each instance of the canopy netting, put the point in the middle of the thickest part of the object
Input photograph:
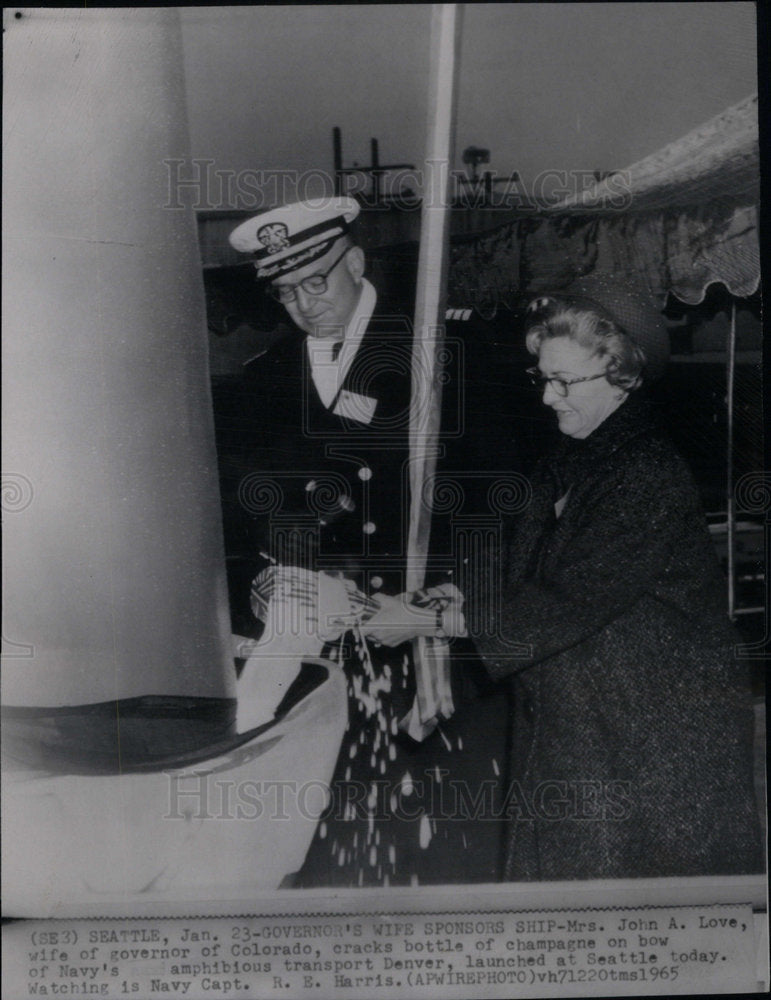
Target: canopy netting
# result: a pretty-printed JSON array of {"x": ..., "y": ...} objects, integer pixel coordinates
[{"x": 682, "y": 218}]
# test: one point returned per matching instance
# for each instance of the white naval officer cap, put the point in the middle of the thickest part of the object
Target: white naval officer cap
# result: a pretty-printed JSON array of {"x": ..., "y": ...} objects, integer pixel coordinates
[{"x": 287, "y": 238}]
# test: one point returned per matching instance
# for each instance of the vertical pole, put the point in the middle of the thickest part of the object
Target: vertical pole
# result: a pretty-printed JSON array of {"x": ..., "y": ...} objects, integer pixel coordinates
[
  {"x": 432, "y": 269},
  {"x": 730, "y": 506}
]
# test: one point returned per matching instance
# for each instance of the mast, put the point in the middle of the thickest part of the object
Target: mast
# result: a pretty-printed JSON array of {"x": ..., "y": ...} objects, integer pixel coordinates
[{"x": 431, "y": 284}]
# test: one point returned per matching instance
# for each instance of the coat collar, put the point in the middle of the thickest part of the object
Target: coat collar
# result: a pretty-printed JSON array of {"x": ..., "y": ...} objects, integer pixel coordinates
[
  {"x": 573, "y": 458},
  {"x": 571, "y": 465}
]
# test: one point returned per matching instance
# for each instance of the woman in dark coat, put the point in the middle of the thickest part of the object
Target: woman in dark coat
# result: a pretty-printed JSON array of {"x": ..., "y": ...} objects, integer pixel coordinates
[{"x": 632, "y": 736}]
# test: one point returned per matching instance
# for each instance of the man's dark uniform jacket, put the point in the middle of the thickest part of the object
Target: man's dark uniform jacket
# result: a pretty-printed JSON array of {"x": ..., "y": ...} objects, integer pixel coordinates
[
  {"x": 342, "y": 483},
  {"x": 292, "y": 461},
  {"x": 312, "y": 487}
]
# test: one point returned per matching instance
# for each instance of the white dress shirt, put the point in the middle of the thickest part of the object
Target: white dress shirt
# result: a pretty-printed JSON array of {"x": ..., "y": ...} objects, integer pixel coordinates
[{"x": 330, "y": 357}]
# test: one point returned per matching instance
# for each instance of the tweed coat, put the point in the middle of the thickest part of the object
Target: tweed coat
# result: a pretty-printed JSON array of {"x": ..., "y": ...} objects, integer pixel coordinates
[{"x": 632, "y": 735}]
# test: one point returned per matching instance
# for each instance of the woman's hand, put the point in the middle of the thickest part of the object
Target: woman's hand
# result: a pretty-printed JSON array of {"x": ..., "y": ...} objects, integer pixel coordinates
[{"x": 398, "y": 621}]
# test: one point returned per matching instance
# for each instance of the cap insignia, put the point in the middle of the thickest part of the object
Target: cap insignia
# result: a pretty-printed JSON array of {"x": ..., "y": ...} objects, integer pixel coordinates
[{"x": 274, "y": 237}]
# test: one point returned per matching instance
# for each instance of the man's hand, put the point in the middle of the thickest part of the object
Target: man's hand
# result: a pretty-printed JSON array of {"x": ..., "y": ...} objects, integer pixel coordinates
[{"x": 398, "y": 621}]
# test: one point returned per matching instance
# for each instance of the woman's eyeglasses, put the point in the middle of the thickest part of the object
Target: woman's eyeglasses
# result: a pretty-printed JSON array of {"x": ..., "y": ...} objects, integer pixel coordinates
[
  {"x": 560, "y": 385},
  {"x": 314, "y": 284}
]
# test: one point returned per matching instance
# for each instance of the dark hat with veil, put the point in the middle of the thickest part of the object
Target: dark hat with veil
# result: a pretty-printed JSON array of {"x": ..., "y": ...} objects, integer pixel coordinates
[{"x": 623, "y": 301}]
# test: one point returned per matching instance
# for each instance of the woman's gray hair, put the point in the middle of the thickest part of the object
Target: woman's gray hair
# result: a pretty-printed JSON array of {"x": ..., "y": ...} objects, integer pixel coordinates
[{"x": 597, "y": 334}]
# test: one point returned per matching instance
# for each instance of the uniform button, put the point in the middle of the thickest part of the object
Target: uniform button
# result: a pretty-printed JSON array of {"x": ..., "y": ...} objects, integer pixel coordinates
[
  {"x": 310, "y": 485},
  {"x": 369, "y": 527},
  {"x": 347, "y": 503},
  {"x": 376, "y": 582},
  {"x": 365, "y": 473}
]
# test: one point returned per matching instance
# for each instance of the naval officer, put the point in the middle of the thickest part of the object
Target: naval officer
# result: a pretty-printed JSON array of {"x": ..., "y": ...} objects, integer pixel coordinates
[
  {"x": 314, "y": 450},
  {"x": 324, "y": 414}
]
